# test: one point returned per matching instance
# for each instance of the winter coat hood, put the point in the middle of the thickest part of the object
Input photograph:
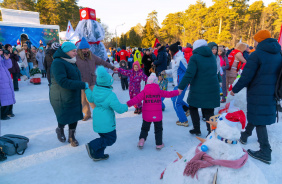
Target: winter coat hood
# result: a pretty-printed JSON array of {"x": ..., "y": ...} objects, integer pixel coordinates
[
  {"x": 188, "y": 50},
  {"x": 101, "y": 93},
  {"x": 213, "y": 44},
  {"x": 203, "y": 51},
  {"x": 121, "y": 62},
  {"x": 162, "y": 49},
  {"x": 103, "y": 77},
  {"x": 269, "y": 45}
]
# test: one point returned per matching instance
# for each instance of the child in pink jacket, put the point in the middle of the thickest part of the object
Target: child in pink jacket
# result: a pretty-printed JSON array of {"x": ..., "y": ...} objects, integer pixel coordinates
[
  {"x": 136, "y": 75},
  {"x": 152, "y": 109}
]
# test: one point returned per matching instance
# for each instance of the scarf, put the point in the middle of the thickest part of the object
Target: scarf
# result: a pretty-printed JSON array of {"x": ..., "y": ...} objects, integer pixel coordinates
[
  {"x": 203, "y": 160},
  {"x": 72, "y": 60},
  {"x": 222, "y": 62}
]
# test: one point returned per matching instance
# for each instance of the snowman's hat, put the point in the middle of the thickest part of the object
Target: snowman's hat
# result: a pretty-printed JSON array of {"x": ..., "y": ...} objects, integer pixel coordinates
[{"x": 232, "y": 119}]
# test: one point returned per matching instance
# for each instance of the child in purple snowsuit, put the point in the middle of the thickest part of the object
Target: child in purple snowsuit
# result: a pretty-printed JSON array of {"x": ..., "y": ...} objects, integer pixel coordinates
[{"x": 135, "y": 75}]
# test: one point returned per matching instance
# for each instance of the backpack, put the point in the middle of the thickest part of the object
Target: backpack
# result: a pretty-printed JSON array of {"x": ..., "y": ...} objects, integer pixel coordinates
[
  {"x": 13, "y": 144},
  {"x": 231, "y": 59}
]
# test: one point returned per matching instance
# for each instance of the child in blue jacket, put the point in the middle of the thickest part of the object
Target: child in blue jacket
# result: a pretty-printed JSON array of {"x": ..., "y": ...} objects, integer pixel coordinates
[{"x": 104, "y": 122}]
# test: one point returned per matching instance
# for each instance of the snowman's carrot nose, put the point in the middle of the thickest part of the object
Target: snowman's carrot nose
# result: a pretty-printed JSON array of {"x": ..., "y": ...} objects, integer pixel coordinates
[
  {"x": 201, "y": 139},
  {"x": 213, "y": 123}
]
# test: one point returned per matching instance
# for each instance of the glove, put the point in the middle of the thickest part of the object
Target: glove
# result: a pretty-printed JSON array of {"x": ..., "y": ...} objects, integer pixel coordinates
[{"x": 86, "y": 85}]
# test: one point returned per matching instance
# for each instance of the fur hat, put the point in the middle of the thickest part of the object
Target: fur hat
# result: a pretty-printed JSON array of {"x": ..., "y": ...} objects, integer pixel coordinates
[
  {"x": 262, "y": 35},
  {"x": 199, "y": 43},
  {"x": 152, "y": 79}
]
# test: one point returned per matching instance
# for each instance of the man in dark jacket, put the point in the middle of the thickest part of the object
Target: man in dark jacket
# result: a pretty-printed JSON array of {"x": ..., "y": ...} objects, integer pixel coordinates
[
  {"x": 161, "y": 62},
  {"x": 260, "y": 76}
]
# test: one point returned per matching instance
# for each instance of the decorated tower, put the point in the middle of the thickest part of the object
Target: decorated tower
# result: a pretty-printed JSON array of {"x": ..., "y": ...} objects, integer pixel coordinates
[{"x": 92, "y": 31}]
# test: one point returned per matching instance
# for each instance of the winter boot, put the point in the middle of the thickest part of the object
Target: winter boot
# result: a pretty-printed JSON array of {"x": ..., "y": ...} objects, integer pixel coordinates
[
  {"x": 187, "y": 113},
  {"x": 61, "y": 134},
  {"x": 223, "y": 100},
  {"x": 182, "y": 124},
  {"x": 72, "y": 139},
  {"x": 136, "y": 111},
  {"x": 244, "y": 137},
  {"x": 262, "y": 155},
  {"x": 105, "y": 157},
  {"x": 141, "y": 143},
  {"x": 89, "y": 151},
  {"x": 139, "y": 111},
  {"x": 196, "y": 132},
  {"x": 11, "y": 115},
  {"x": 159, "y": 147}
]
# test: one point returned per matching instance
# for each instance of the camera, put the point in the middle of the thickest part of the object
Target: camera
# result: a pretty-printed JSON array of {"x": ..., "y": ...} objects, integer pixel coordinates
[{"x": 6, "y": 52}]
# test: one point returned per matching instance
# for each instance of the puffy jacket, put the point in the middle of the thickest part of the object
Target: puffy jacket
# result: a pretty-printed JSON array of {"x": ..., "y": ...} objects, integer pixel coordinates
[
  {"x": 260, "y": 76},
  {"x": 123, "y": 55},
  {"x": 65, "y": 89},
  {"x": 7, "y": 96},
  {"x": 152, "y": 102},
  {"x": 179, "y": 67},
  {"x": 188, "y": 53},
  {"x": 161, "y": 62},
  {"x": 203, "y": 79},
  {"x": 15, "y": 68},
  {"x": 106, "y": 103}
]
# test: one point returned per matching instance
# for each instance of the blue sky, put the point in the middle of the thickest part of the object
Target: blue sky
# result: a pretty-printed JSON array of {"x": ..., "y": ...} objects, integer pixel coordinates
[{"x": 132, "y": 12}]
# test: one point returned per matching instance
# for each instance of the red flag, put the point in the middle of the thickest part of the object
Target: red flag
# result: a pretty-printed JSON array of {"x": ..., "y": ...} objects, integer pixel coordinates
[
  {"x": 156, "y": 42},
  {"x": 280, "y": 37}
]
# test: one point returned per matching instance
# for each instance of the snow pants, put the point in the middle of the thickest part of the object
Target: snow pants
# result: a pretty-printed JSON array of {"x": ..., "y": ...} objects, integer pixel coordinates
[
  {"x": 178, "y": 104},
  {"x": 99, "y": 145},
  {"x": 261, "y": 133},
  {"x": 207, "y": 113},
  {"x": 158, "y": 131},
  {"x": 133, "y": 91},
  {"x": 124, "y": 83}
]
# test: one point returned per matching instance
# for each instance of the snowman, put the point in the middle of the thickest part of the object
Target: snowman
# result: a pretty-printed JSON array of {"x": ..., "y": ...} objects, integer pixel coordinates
[
  {"x": 92, "y": 31},
  {"x": 217, "y": 159},
  {"x": 235, "y": 103}
]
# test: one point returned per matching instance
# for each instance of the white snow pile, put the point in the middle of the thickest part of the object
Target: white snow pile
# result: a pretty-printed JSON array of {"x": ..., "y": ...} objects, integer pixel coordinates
[{"x": 218, "y": 150}]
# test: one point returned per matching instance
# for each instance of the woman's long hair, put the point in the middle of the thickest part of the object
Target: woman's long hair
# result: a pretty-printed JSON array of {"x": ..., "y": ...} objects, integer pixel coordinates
[{"x": 81, "y": 55}]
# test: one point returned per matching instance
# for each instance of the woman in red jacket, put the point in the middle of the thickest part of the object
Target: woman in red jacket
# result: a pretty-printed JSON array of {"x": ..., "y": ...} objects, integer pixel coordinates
[{"x": 188, "y": 52}]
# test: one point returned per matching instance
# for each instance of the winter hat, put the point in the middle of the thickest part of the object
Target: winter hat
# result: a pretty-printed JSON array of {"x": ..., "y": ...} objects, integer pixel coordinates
[
  {"x": 174, "y": 47},
  {"x": 123, "y": 47},
  {"x": 103, "y": 77},
  {"x": 84, "y": 44},
  {"x": 152, "y": 79},
  {"x": 199, "y": 43},
  {"x": 167, "y": 46},
  {"x": 41, "y": 48},
  {"x": 55, "y": 45},
  {"x": 68, "y": 46},
  {"x": 136, "y": 63},
  {"x": 262, "y": 35},
  {"x": 158, "y": 44},
  {"x": 14, "y": 49},
  {"x": 232, "y": 119}
]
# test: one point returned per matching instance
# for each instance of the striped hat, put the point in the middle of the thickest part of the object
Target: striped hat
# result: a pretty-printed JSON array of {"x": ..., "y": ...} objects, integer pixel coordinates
[{"x": 55, "y": 45}]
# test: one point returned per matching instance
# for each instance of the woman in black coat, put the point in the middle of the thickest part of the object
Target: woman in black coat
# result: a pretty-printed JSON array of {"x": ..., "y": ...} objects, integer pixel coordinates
[
  {"x": 15, "y": 70},
  {"x": 260, "y": 76}
]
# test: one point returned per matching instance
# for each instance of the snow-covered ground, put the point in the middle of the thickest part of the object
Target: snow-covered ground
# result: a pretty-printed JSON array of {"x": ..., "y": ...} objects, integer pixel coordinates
[{"x": 49, "y": 161}]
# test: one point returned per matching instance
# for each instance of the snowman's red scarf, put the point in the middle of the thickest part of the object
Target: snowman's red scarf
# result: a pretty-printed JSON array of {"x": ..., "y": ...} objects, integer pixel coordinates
[
  {"x": 90, "y": 43},
  {"x": 203, "y": 160}
]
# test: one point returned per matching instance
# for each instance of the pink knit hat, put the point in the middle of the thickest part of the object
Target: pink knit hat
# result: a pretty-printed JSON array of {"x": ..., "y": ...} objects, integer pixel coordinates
[{"x": 152, "y": 79}]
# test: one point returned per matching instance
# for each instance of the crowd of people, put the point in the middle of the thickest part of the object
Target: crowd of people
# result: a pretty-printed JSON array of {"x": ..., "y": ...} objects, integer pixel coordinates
[{"x": 78, "y": 80}]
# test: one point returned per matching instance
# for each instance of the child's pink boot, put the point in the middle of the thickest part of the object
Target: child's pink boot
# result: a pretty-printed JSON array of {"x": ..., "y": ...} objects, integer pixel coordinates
[
  {"x": 159, "y": 147},
  {"x": 141, "y": 143}
]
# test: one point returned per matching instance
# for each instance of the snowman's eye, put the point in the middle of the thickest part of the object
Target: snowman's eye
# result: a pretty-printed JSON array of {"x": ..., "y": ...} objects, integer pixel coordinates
[{"x": 220, "y": 118}]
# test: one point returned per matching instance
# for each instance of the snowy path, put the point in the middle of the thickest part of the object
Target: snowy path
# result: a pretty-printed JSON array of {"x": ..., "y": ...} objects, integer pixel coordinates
[{"x": 49, "y": 161}]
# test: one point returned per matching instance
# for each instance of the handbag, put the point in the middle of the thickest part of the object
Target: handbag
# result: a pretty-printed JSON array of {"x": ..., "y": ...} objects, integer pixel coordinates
[{"x": 13, "y": 144}]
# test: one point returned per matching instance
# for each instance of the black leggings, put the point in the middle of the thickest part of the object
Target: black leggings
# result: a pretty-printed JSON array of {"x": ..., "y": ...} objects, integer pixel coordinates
[
  {"x": 158, "y": 131},
  {"x": 207, "y": 113},
  {"x": 71, "y": 126}
]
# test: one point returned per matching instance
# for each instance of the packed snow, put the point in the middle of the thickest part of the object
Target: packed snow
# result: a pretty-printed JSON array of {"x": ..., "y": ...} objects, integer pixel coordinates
[{"x": 49, "y": 161}]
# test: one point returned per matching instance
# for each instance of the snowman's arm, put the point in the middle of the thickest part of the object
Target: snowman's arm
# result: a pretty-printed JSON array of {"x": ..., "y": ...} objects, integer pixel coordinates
[
  {"x": 99, "y": 61},
  {"x": 248, "y": 73}
]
